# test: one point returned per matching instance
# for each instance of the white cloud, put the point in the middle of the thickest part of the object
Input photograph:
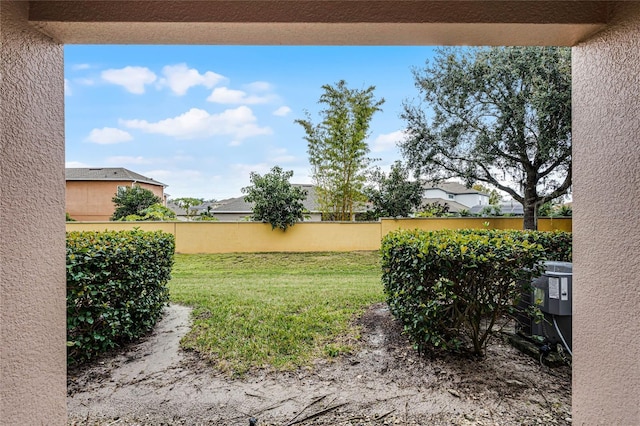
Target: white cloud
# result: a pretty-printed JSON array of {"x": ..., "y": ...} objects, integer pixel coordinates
[
  {"x": 181, "y": 157},
  {"x": 67, "y": 88},
  {"x": 283, "y": 111},
  {"x": 186, "y": 174},
  {"x": 84, "y": 81},
  {"x": 258, "y": 86},
  {"x": 301, "y": 175},
  {"x": 131, "y": 78},
  {"x": 180, "y": 78},
  {"x": 120, "y": 160},
  {"x": 140, "y": 160},
  {"x": 244, "y": 170},
  {"x": 108, "y": 135},
  {"x": 388, "y": 141},
  {"x": 76, "y": 164},
  {"x": 224, "y": 95},
  {"x": 182, "y": 183},
  {"x": 283, "y": 159},
  {"x": 240, "y": 123},
  {"x": 281, "y": 156},
  {"x": 78, "y": 67}
]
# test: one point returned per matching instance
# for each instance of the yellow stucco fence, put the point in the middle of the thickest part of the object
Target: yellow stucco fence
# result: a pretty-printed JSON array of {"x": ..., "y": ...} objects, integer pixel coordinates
[{"x": 235, "y": 237}]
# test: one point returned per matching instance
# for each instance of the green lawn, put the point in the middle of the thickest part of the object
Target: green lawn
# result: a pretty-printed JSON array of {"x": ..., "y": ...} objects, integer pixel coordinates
[{"x": 274, "y": 310}]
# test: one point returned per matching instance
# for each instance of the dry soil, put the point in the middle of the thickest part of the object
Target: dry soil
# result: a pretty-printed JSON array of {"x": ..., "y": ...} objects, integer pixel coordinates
[{"x": 384, "y": 381}]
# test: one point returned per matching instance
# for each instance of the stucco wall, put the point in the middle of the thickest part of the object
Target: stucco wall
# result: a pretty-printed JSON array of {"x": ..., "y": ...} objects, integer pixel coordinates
[
  {"x": 226, "y": 237},
  {"x": 32, "y": 248},
  {"x": 237, "y": 217},
  {"x": 606, "y": 154},
  {"x": 91, "y": 200}
]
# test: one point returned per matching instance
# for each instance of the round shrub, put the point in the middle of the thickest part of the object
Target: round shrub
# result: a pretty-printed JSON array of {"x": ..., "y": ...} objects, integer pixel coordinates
[
  {"x": 116, "y": 288},
  {"x": 450, "y": 288}
]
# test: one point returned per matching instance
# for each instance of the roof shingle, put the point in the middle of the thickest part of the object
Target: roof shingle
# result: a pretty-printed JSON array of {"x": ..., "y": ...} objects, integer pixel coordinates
[
  {"x": 108, "y": 173},
  {"x": 453, "y": 188}
]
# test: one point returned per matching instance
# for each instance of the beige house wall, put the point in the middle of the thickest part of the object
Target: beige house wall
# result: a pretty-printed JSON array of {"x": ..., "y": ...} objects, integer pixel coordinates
[
  {"x": 606, "y": 205},
  {"x": 91, "y": 199},
  {"x": 32, "y": 248},
  {"x": 606, "y": 188}
]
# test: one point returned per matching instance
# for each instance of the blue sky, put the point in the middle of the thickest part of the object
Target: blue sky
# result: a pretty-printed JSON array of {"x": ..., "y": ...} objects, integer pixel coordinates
[{"x": 201, "y": 118}]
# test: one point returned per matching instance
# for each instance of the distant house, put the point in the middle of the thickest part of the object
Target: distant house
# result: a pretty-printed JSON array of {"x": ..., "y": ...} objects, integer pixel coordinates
[
  {"x": 90, "y": 190},
  {"x": 236, "y": 209},
  {"x": 455, "y": 195},
  {"x": 510, "y": 207},
  {"x": 454, "y": 207},
  {"x": 205, "y": 207}
]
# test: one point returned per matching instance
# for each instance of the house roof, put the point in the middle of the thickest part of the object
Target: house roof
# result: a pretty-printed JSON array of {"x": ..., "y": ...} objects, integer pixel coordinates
[
  {"x": 453, "y": 188},
  {"x": 507, "y": 207},
  {"x": 109, "y": 173},
  {"x": 200, "y": 208},
  {"x": 238, "y": 205}
]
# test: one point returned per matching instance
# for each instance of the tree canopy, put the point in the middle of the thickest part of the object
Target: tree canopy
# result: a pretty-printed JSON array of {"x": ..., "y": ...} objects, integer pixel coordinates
[
  {"x": 274, "y": 199},
  {"x": 393, "y": 195},
  {"x": 501, "y": 116},
  {"x": 338, "y": 149},
  {"x": 132, "y": 200}
]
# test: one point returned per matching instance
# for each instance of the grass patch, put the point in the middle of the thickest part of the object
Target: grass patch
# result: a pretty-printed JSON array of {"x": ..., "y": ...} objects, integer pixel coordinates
[{"x": 274, "y": 310}]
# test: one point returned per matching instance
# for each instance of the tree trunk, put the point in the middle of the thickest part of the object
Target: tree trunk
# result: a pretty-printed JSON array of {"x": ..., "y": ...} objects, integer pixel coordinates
[{"x": 530, "y": 208}]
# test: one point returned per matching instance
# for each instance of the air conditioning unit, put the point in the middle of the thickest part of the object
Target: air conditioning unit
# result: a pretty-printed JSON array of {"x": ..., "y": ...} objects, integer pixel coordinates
[{"x": 552, "y": 294}]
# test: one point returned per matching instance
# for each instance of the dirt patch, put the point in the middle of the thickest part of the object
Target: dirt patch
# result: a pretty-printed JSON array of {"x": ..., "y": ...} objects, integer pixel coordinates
[{"x": 384, "y": 382}]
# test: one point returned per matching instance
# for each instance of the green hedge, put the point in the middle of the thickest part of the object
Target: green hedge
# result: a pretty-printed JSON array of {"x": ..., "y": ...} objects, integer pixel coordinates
[
  {"x": 449, "y": 288},
  {"x": 116, "y": 288},
  {"x": 557, "y": 244}
]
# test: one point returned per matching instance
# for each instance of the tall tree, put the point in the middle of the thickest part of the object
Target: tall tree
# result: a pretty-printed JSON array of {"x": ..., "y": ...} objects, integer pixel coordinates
[
  {"x": 393, "y": 195},
  {"x": 500, "y": 116},
  {"x": 338, "y": 149},
  {"x": 132, "y": 200},
  {"x": 274, "y": 199}
]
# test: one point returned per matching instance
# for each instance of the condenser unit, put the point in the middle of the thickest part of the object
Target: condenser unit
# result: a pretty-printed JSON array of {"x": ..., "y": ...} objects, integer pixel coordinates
[{"x": 552, "y": 294}]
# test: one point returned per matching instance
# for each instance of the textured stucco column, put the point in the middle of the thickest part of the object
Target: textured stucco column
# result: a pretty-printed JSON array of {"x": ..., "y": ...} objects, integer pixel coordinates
[
  {"x": 32, "y": 241},
  {"x": 606, "y": 144}
]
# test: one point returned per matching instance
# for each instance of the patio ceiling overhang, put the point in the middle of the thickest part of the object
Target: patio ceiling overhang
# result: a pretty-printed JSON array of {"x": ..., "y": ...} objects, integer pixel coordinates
[{"x": 320, "y": 22}]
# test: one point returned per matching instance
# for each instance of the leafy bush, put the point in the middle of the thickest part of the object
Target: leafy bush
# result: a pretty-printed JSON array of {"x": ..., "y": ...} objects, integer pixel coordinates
[
  {"x": 275, "y": 200},
  {"x": 132, "y": 200},
  {"x": 449, "y": 288},
  {"x": 116, "y": 288},
  {"x": 557, "y": 244},
  {"x": 394, "y": 195},
  {"x": 564, "y": 211},
  {"x": 434, "y": 210},
  {"x": 155, "y": 212}
]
